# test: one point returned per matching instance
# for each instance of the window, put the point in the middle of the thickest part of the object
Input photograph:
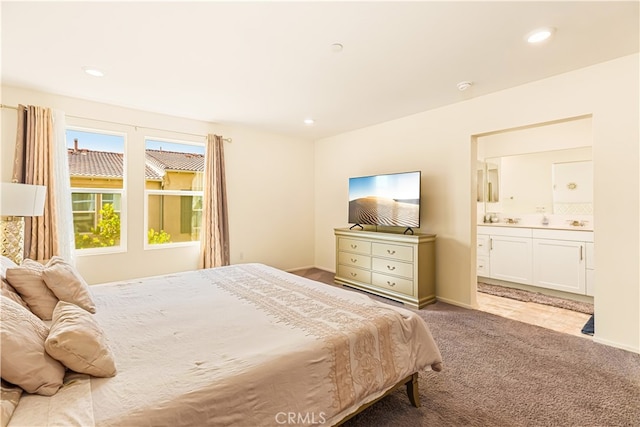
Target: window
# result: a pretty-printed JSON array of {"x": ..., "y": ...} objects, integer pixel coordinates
[
  {"x": 174, "y": 180},
  {"x": 96, "y": 169}
]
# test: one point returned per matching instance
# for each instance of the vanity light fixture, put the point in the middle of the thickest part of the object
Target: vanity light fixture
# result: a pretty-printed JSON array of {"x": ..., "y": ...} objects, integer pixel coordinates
[
  {"x": 309, "y": 122},
  {"x": 92, "y": 71},
  {"x": 540, "y": 34}
]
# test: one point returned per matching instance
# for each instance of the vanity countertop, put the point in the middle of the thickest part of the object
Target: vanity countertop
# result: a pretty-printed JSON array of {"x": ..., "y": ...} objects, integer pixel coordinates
[{"x": 586, "y": 227}]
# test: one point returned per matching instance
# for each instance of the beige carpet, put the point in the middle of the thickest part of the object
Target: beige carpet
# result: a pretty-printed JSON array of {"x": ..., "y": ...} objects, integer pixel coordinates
[{"x": 500, "y": 372}]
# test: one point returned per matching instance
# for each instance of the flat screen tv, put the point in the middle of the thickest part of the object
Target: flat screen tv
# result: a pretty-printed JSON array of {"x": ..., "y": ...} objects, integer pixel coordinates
[{"x": 389, "y": 199}]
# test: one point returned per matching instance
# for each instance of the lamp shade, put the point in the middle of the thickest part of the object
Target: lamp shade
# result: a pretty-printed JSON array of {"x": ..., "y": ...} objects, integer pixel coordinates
[{"x": 22, "y": 199}]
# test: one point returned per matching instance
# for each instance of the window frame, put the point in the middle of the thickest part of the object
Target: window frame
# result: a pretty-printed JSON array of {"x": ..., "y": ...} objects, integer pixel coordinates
[
  {"x": 95, "y": 191},
  {"x": 123, "y": 246},
  {"x": 160, "y": 192}
]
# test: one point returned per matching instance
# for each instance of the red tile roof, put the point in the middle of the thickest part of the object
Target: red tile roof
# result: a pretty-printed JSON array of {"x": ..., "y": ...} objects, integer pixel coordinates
[
  {"x": 95, "y": 163},
  {"x": 177, "y": 161},
  {"x": 104, "y": 164}
]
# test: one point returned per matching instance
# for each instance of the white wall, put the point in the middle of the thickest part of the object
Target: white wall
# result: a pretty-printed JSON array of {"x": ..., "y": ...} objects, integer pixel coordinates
[
  {"x": 534, "y": 139},
  {"x": 270, "y": 185},
  {"x": 441, "y": 143}
]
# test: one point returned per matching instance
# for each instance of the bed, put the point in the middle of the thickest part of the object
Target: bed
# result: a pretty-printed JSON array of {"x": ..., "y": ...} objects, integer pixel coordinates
[{"x": 240, "y": 345}]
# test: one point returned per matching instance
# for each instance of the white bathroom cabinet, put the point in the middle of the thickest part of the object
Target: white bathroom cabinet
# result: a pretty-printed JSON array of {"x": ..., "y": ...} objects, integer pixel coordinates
[
  {"x": 559, "y": 264},
  {"x": 547, "y": 258},
  {"x": 591, "y": 267},
  {"x": 510, "y": 258}
]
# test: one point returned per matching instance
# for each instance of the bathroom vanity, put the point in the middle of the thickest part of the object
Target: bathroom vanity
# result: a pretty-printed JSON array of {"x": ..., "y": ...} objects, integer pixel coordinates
[
  {"x": 554, "y": 258},
  {"x": 535, "y": 208}
]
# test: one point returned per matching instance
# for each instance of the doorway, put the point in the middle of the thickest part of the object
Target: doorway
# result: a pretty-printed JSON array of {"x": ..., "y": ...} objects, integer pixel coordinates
[{"x": 514, "y": 187}]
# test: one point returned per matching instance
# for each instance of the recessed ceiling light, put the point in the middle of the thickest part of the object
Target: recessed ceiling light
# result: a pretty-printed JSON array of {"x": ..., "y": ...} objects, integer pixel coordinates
[
  {"x": 309, "y": 122},
  {"x": 336, "y": 47},
  {"x": 92, "y": 71},
  {"x": 540, "y": 34}
]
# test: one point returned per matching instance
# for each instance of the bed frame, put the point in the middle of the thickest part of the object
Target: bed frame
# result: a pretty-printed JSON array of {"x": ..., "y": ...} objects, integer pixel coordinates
[{"x": 412, "y": 391}]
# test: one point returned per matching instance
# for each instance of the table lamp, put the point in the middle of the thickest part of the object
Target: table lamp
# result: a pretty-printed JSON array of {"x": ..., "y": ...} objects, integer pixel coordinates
[{"x": 18, "y": 201}]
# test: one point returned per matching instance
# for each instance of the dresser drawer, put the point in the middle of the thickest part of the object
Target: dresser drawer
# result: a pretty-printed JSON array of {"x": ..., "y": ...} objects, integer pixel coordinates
[
  {"x": 392, "y": 267},
  {"x": 403, "y": 253},
  {"x": 353, "y": 273},
  {"x": 397, "y": 284},
  {"x": 353, "y": 245},
  {"x": 354, "y": 260},
  {"x": 483, "y": 243},
  {"x": 482, "y": 266}
]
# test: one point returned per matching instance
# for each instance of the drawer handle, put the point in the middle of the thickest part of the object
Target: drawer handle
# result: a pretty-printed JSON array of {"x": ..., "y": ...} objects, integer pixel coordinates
[
  {"x": 353, "y": 260},
  {"x": 391, "y": 283},
  {"x": 390, "y": 267},
  {"x": 390, "y": 252},
  {"x": 353, "y": 274},
  {"x": 353, "y": 246},
  {"x": 480, "y": 244}
]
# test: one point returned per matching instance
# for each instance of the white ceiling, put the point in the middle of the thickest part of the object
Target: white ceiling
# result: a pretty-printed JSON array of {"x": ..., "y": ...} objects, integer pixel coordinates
[{"x": 269, "y": 65}]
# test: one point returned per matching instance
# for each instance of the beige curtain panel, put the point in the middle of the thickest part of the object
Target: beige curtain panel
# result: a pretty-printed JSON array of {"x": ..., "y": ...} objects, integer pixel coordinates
[
  {"x": 33, "y": 164},
  {"x": 214, "y": 233}
]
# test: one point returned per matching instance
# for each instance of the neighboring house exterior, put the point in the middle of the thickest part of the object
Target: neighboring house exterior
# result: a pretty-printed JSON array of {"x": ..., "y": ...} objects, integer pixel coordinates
[{"x": 97, "y": 180}]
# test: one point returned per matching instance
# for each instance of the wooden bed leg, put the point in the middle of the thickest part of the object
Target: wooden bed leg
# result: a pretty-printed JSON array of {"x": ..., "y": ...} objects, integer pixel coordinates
[{"x": 412, "y": 390}]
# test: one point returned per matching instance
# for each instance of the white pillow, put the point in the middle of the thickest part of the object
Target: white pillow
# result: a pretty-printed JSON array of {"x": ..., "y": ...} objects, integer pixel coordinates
[
  {"x": 23, "y": 360},
  {"x": 76, "y": 340},
  {"x": 4, "y": 264}
]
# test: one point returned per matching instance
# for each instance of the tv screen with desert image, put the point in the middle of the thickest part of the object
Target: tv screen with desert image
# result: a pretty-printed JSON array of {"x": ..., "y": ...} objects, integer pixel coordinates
[{"x": 389, "y": 199}]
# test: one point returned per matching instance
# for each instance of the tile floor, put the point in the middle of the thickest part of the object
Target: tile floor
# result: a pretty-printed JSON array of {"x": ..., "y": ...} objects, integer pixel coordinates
[{"x": 557, "y": 319}]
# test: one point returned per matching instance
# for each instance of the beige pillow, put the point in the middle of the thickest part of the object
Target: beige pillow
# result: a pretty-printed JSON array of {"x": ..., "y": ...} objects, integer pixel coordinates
[
  {"x": 23, "y": 360},
  {"x": 76, "y": 340},
  {"x": 9, "y": 398},
  {"x": 27, "y": 280},
  {"x": 67, "y": 284},
  {"x": 9, "y": 292}
]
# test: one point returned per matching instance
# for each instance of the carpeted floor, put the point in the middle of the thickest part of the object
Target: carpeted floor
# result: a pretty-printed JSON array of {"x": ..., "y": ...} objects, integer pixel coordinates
[
  {"x": 522, "y": 295},
  {"x": 500, "y": 372}
]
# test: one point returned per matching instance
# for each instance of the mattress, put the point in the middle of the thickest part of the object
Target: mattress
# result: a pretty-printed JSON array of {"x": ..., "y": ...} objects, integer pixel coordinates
[{"x": 240, "y": 345}]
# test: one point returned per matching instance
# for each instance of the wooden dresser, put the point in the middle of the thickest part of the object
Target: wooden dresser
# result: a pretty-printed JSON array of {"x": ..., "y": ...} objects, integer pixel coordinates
[{"x": 393, "y": 265}]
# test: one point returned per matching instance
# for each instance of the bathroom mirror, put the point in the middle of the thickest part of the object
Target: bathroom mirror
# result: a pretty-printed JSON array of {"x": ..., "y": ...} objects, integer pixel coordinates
[
  {"x": 481, "y": 171},
  {"x": 524, "y": 183},
  {"x": 573, "y": 188}
]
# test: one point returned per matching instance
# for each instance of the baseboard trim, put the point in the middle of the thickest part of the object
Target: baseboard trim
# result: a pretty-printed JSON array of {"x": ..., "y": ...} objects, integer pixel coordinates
[
  {"x": 456, "y": 303},
  {"x": 615, "y": 344},
  {"x": 293, "y": 270}
]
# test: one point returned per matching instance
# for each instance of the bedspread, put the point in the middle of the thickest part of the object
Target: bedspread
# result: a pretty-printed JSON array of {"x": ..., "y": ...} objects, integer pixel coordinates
[{"x": 239, "y": 345}]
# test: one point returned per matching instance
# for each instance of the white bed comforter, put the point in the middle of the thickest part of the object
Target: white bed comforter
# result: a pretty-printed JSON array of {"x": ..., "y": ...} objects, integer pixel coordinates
[{"x": 243, "y": 345}]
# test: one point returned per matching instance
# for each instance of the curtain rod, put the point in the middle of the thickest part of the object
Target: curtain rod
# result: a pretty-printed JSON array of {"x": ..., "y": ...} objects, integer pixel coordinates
[{"x": 229, "y": 140}]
